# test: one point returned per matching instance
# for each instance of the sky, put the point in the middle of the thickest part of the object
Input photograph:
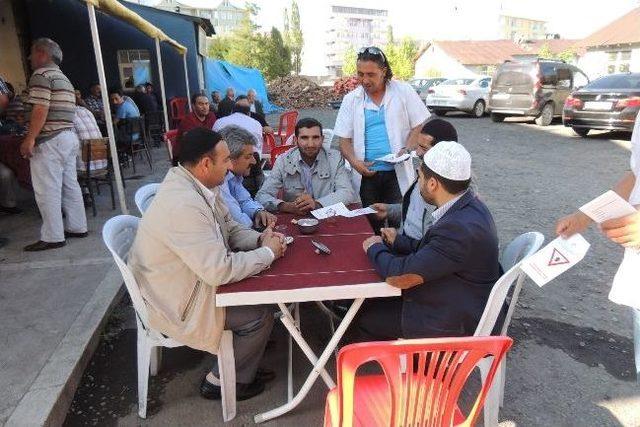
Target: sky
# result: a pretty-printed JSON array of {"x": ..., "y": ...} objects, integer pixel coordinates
[{"x": 440, "y": 20}]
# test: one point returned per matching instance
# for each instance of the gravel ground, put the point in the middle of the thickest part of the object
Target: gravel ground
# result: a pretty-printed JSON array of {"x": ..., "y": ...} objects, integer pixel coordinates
[{"x": 572, "y": 363}]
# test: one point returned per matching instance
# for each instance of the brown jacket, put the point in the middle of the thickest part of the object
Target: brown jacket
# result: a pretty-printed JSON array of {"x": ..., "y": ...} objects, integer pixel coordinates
[{"x": 186, "y": 246}]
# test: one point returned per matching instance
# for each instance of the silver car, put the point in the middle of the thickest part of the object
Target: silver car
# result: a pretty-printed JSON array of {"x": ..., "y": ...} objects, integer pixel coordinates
[{"x": 463, "y": 94}]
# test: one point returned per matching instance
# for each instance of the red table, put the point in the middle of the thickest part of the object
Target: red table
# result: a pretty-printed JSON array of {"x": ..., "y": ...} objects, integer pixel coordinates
[
  {"x": 302, "y": 275},
  {"x": 10, "y": 156}
]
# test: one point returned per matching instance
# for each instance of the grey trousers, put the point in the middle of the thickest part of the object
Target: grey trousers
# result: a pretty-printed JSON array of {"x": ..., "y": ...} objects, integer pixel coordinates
[
  {"x": 251, "y": 326},
  {"x": 8, "y": 187},
  {"x": 55, "y": 185}
]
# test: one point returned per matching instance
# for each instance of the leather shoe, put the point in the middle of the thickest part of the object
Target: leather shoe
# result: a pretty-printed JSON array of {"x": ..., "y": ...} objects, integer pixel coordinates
[
  {"x": 243, "y": 391},
  {"x": 43, "y": 246},
  {"x": 71, "y": 235},
  {"x": 13, "y": 210},
  {"x": 265, "y": 375}
]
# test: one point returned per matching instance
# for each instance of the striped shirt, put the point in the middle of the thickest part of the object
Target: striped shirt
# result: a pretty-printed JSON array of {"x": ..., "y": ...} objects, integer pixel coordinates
[
  {"x": 4, "y": 89},
  {"x": 49, "y": 87},
  {"x": 85, "y": 124}
]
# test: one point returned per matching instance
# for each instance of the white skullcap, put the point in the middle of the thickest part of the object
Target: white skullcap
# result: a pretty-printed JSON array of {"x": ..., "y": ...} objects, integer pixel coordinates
[{"x": 449, "y": 160}]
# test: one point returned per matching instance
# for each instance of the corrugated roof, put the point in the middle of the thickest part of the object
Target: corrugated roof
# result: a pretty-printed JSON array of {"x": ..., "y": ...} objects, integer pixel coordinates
[{"x": 624, "y": 30}]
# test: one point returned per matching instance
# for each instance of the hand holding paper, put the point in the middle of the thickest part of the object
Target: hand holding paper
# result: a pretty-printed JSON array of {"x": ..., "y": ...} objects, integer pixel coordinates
[{"x": 555, "y": 258}]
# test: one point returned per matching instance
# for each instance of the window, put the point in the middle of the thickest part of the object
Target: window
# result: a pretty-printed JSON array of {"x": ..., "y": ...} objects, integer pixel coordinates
[
  {"x": 618, "y": 61},
  {"x": 134, "y": 67},
  {"x": 579, "y": 79}
]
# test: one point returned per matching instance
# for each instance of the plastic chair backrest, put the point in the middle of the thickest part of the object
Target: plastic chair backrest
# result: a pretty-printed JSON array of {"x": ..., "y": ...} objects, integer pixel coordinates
[
  {"x": 268, "y": 142},
  {"x": 496, "y": 301},
  {"x": 438, "y": 370},
  {"x": 520, "y": 248},
  {"x": 118, "y": 234},
  {"x": 287, "y": 124},
  {"x": 178, "y": 107},
  {"x": 171, "y": 138},
  {"x": 277, "y": 151},
  {"x": 144, "y": 196}
]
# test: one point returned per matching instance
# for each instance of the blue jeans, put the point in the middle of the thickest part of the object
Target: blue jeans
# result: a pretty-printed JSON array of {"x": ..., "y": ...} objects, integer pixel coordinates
[{"x": 636, "y": 340}]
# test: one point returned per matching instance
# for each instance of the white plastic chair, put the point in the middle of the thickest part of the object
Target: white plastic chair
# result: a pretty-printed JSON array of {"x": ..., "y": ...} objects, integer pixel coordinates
[
  {"x": 118, "y": 234},
  {"x": 519, "y": 249},
  {"x": 144, "y": 196}
]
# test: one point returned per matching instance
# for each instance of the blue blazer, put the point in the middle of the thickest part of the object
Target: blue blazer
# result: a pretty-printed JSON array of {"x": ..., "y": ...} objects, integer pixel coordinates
[{"x": 458, "y": 261}]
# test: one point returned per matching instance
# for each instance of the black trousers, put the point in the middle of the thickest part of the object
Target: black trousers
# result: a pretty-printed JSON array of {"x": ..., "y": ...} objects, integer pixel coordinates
[
  {"x": 254, "y": 181},
  {"x": 379, "y": 188},
  {"x": 379, "y": 319}
]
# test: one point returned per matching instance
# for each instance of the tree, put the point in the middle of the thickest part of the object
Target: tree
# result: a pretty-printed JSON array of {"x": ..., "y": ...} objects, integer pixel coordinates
[
  {"x": 349, "y": 60},
  {"x": 567, "y": 55},
  {"x": 285, "y": 28},
  {"x": 218, "y": 47},
  {"x": 276, "y": 59},
  {"x": 296, "y": 42},
  {"x": 401, "y": 57}
]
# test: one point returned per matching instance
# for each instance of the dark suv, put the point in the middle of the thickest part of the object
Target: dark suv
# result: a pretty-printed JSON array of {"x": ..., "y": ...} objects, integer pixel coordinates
[{"x": 538, "y": 89}]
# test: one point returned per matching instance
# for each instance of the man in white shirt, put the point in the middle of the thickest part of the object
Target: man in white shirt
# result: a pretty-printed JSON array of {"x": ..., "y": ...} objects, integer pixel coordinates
[{"x": 624, "y": 231}]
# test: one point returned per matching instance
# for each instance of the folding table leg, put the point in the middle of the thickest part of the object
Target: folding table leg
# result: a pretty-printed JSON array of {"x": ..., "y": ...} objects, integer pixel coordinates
[
  {"x": 318, "y": 367},
  {"x": 296, "y": 311}
]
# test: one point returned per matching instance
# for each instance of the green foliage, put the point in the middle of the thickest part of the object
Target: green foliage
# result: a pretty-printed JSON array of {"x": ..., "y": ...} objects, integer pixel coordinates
[
  {"x": 294, "y": 36},
  {"x": 433, "y": 72},
  {"x": 349, "y": 62},
  {"x": 248, "y": 48},
  {"x": 545, "y": 52},
  {"x": 401, "y": 57}
]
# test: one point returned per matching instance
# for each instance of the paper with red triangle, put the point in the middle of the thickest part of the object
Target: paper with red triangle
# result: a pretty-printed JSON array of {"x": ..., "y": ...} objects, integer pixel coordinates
[{"x": 557, "y": 258}]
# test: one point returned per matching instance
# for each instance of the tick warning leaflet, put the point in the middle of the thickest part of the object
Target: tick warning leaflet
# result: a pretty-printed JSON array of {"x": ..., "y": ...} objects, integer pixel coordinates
[{"x": 555, "y": 258}]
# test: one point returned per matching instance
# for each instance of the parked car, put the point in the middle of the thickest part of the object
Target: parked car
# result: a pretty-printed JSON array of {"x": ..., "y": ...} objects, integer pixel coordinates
[
  {"x": 464, "y": 94},
  {"x": 610, "y": 102},
  {"x": 422, "y": 85},
  {"x": 533, "y": 89}
]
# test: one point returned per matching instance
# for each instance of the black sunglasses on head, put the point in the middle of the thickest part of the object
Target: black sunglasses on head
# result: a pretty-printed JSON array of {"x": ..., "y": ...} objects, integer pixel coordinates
[{"x": 373, "y": 51}]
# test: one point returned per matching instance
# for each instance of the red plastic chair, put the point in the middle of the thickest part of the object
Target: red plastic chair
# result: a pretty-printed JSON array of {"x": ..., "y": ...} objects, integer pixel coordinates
[
  {"x": 278, "y": 150},
  {"x": 170, "y": 139},
  {"x": 420, "y": 386},
  {"x": 177, "y": 110},
  {"x": 287, "y": 125},
  {"x": 268, "y": 143}
]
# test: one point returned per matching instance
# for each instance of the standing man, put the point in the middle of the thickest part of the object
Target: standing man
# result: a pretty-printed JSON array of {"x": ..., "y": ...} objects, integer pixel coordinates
[
  {"x": 188, "y": 231},
  {"x": 52, "y": 146},
  {"x": 200, "y": 117},
  {"x": 624, "y": 231},
  {"x": 226, "y": 105},
  {"x": 379, "y": 117}
]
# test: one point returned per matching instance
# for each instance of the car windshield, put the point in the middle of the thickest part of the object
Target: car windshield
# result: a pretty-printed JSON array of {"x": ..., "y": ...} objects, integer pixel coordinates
[
  {"x": 616, "y": 81},
  {"x": 456, "y": 82}
]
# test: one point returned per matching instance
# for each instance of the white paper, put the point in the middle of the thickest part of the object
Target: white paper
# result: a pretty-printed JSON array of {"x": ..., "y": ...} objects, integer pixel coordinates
[
  {"x": 358, "y": 212},
  {"x": 339, "y": 209},
  {"x": 329, "y": 211},
  {"x": 391, "y": 158},
  {"x": 607, "y": 206},
  {"x": 555, "y": 258}
]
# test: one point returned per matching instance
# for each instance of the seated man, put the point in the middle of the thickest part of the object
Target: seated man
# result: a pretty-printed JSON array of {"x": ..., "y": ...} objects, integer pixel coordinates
[
  {"x": 125, "y": 108},
  {"x": 241, "y": 206},
  {"x": 186, "y": 246},
  {"x": 413, "y": 213},
  {"x": 241, "y": 117},
  {"x": 201, "y": 116},
  {"x": 309, "y": 176},
  {"x": 446, "y": 276}
]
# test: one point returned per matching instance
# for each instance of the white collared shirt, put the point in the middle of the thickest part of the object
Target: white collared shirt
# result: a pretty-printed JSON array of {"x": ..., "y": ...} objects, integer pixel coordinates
[
  {"x": 625, "y": 289},
  {"x": 439, "y": 213}
]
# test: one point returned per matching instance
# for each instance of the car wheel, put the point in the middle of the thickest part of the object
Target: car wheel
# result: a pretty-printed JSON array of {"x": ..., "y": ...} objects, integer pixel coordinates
[
  {"x": 440, "y": 112},
  {"x": 583, "y": 132},
  {"x": 546, "y": 115},
  {"x": 478, "y": 109},
  {"x": 497, "y": 118}
]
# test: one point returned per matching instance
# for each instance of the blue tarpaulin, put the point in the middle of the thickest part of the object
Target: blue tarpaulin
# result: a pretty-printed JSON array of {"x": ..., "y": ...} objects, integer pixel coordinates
[{"x": 221, "y": 74}]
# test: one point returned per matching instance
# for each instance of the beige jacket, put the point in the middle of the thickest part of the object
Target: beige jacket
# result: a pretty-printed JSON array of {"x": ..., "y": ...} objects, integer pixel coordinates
[{"x": 186, "y": 246}]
